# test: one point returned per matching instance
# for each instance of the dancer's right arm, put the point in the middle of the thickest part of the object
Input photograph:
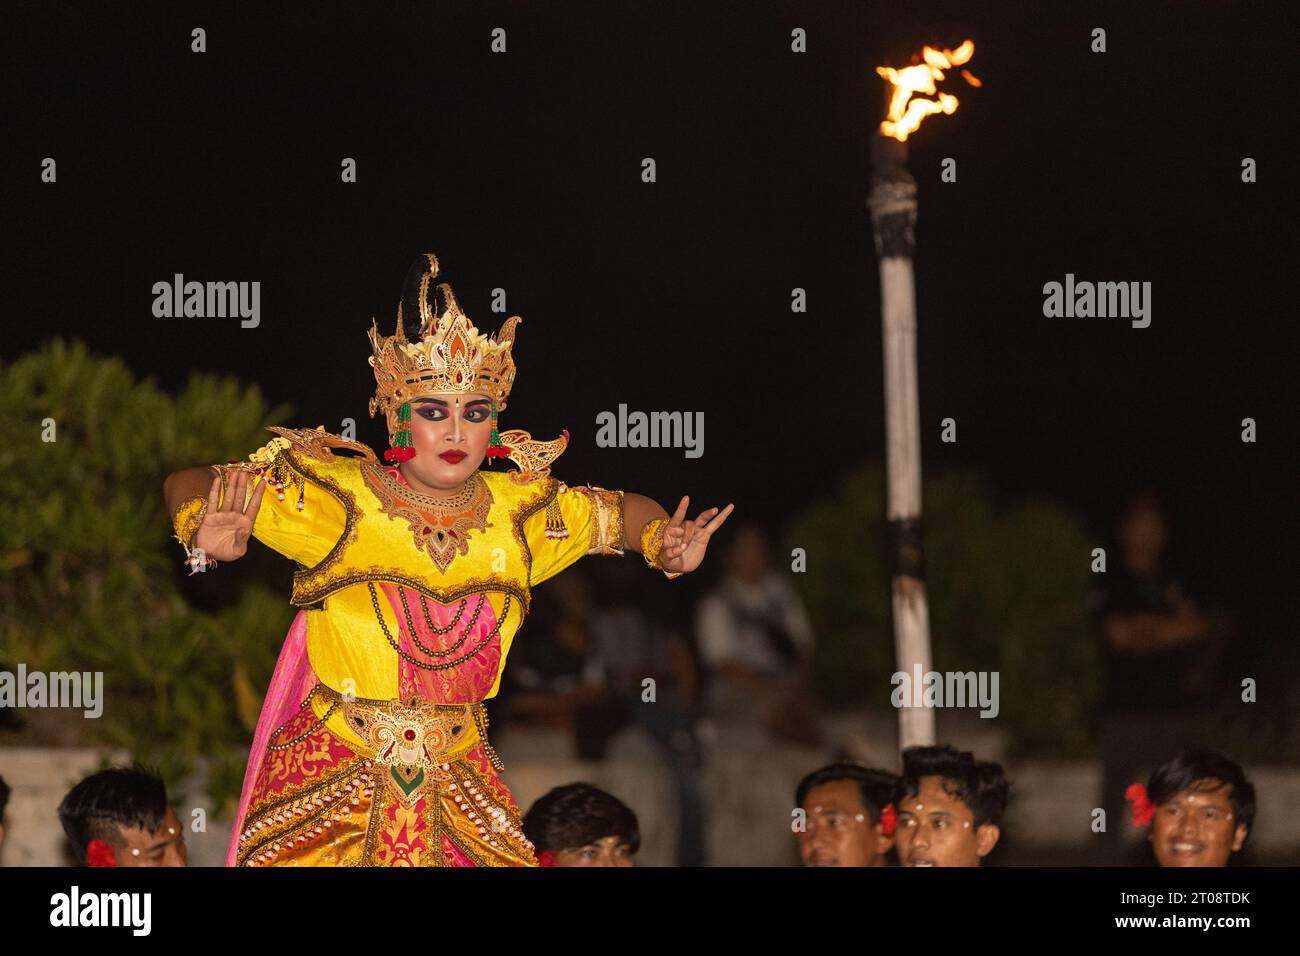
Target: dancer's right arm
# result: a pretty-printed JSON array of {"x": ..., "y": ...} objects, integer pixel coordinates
[
  {"x": 227, "y": 524},
  {"x": 181, "y": 486}
]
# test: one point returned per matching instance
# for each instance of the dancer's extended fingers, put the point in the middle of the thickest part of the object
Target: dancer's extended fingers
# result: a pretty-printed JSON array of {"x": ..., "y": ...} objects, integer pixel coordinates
[
  {"x": 704, "y": 517},
  {"x": 684, "y": 543},
  {"x": 256, "y": 501},
  {"x": 235, "y": 493},
  {"x": 214, "y": 494},
  {"x": 680, "y": 513},
  {"x": 241, "y": 498},
  {"x": 717, "y": 522}
]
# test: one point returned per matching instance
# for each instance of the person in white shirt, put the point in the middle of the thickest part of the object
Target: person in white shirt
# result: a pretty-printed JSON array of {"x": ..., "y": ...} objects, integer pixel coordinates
[{"x": 755, "y": 640}]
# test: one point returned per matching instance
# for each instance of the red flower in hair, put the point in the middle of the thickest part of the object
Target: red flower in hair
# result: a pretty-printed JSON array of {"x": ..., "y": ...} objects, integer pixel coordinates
[
  {"x": 546, "y": 858},
  {"x": 1143, "y": 808},
  {"x": 99, "y": 853},
  {"x": 888, "y": 820}
]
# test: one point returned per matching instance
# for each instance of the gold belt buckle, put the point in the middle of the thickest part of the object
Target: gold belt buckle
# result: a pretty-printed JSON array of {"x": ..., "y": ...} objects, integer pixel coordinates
[{"x": 413, "y": 733}]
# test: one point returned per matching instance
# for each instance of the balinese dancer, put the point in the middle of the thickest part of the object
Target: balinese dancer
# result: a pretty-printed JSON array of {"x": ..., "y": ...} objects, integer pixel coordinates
[{"x": 413, "y": 580}]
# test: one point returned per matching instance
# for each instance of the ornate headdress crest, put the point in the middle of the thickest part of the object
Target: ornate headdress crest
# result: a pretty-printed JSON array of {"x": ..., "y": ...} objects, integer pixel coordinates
[{"x": 436, "y": 348}]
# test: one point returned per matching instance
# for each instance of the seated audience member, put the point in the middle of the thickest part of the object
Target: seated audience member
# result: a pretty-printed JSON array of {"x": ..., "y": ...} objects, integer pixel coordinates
[
  {"x": 949, "y": 807},
  {"x": 120, "y": 817},
  {"x": 848, "y": 817},
  {"x": 582, "y": 825},
  {"x": 4, "y": 803},
  {"x": 1200, "y": 808},
  {"x": 756, "y": 642}
]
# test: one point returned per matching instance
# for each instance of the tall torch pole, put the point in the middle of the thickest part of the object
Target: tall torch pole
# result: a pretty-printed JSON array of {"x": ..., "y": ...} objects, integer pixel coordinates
[
  {"x": 893, "y": 214},
  {"x": 892, "y": 202}
]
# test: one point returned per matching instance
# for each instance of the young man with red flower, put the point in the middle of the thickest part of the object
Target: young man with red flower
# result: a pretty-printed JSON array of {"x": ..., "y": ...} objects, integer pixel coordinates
[
  {"x": 848, "y": 819},
  {"x": 1200, "y": 808},
  {"x": 120, "y": 817}
]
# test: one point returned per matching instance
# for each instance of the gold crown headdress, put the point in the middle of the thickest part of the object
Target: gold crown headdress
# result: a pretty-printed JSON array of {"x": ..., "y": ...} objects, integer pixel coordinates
[
  {"x": 443, "y": 353},
  {"x": 437, "y": 349}
]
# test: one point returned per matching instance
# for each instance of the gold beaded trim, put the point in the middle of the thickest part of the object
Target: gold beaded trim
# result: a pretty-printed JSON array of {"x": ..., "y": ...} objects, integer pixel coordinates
[
  {"x": 445, "y": 665},
  {"x": 652, "y": 542},
  {"x": 555, "y": 527},
  {"x": 465, "y": 631},
  {"x": 481, "y": 722},
  {"x": 606, "y": 519},
  {"x": 306, "y": 703}
]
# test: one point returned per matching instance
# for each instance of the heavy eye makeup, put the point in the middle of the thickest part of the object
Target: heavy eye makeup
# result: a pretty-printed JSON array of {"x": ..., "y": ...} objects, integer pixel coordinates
[{"x": 435, "y": 410}]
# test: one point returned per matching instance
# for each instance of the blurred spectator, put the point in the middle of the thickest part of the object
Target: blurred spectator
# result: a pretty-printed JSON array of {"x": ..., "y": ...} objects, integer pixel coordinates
[
  {"x": 553, "y": 682},
  {"x": 630, "y": 649},
  {"x": 848, "y": 816},
  {"x": 949, "y": 807},
  {"x": 1147, "y": 626},
  {"x": 4, "y": 804},
  {"x": 9, "y": 719},
  {"x": 1202, "y": 809},
  {"x": 582, "y": 825},
  {"x": 120, "y": 817},
  {"x": 755, "y": 639}
]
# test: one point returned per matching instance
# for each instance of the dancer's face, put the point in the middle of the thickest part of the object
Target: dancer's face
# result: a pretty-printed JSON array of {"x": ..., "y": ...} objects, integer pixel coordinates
[
  {"x": 442, "y": 426},
  {"x": 1196, "y": 827},
  {"x": 937, "y": 829},
  {"x": 610, "y": 851},
  {"x": 838, "y": 829},
  {"x": 165, "y": 846}
]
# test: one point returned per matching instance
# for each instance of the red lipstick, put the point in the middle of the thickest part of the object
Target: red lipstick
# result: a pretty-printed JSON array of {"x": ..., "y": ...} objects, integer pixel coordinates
[{"x": 453, "y": 457}]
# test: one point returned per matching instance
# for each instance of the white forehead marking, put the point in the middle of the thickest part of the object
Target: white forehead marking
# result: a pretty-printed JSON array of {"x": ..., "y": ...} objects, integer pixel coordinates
[{"x": 135, "y": 852}]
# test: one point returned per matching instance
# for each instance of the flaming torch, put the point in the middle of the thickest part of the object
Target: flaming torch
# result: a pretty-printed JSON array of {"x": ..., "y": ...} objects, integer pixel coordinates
[{"x": 892, "y": 203}]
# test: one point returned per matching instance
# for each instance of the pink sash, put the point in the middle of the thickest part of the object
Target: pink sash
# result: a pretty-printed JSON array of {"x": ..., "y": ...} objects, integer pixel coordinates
[{"x": 290, "y": 682}]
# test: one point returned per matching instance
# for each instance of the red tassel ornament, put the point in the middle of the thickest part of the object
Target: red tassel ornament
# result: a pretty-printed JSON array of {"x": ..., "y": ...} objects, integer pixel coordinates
[{"x": 403, "y": 447}]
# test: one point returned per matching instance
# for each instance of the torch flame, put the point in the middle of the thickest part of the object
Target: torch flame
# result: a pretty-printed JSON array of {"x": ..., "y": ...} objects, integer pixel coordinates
[{"x": 905, "y": 111}]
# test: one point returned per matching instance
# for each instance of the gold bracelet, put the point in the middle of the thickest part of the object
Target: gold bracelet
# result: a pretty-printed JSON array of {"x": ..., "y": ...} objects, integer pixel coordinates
[
  {"x": 652, "y": 542},
  {"x": 187, "y": 519},
  {"x": 186, "y": 522}
]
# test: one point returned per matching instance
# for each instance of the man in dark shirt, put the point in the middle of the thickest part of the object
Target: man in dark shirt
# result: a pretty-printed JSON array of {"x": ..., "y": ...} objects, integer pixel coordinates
[{"x": 1148, "y": 627}]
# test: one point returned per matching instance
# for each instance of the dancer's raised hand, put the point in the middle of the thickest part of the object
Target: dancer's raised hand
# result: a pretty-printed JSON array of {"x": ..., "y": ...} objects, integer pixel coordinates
[
  {"x": 225, "y": 529},
  {"x": 685, "y": 542}
]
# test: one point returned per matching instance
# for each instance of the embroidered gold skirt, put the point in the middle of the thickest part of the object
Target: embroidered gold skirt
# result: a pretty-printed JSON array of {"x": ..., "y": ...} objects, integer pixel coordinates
[{"x": 421, "y": 789}]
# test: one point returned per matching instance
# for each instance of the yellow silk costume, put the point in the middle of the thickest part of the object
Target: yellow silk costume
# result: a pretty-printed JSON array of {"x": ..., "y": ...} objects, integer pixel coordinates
[{"x": 372, "y": 749}]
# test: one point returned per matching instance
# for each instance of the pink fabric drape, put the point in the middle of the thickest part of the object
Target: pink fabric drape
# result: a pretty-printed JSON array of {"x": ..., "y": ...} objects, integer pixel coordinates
[
  {"x": 472, "y": 677},
  {"x": 290, "y": 682}
]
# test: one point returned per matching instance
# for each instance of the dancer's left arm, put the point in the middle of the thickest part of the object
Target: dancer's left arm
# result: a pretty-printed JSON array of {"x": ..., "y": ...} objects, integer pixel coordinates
[
  {"x": 684, "y": 542},
  {"x": 584, "y": 520}
]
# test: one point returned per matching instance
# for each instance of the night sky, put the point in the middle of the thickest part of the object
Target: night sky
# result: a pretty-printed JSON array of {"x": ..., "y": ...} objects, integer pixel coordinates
[{"x": 522, "y": 171}]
